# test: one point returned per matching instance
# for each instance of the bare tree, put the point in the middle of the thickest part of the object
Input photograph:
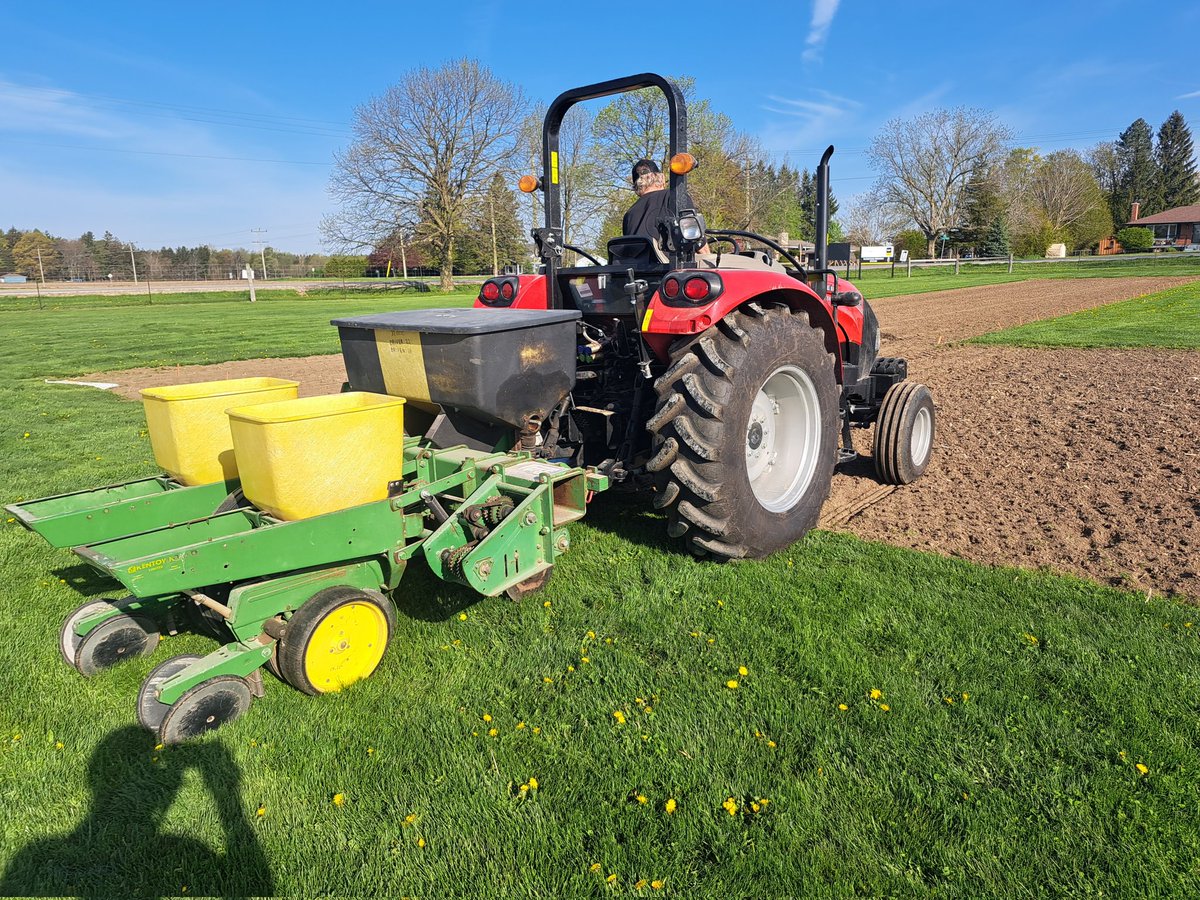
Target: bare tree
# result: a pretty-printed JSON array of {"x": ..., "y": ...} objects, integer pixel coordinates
[
  {"x": 868, "y": 221},
  {"x": 423, "y": 151},
  {"x": 1065, "y": 189},
  {"x": 924, "y": 163}
]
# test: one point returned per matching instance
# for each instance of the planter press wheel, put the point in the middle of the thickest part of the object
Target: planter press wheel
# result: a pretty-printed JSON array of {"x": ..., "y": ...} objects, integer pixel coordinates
[
  {"x": 150, "y": 712},
  {"x": 336, "y": 638},
  {"x": 904, "y": 433},
  {"x": 124, "y": 636},
  {"x": 206, "y": 707}
]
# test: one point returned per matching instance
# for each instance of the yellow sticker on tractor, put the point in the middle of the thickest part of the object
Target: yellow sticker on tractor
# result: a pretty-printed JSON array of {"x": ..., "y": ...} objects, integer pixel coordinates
[
  {"x": 646, "y": 320},
  {"x": 402, "y": 363},
  {"x": 554, "y": 166}
]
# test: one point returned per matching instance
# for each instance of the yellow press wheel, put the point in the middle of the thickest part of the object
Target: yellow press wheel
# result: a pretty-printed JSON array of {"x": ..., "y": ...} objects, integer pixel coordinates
[{"x": 336, "y": 638}]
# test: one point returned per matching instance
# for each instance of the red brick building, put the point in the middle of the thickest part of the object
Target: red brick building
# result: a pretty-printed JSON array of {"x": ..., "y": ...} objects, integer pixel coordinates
[{"x": 1177, "y": 228}]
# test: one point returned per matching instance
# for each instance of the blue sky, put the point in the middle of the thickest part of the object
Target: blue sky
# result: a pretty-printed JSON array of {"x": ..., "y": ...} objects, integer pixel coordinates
[{"x": 173, "y": 124}]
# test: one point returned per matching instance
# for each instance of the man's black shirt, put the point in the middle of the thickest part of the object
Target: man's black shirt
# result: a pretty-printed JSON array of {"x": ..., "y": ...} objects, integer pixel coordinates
[{"x": 643, "y": 216}]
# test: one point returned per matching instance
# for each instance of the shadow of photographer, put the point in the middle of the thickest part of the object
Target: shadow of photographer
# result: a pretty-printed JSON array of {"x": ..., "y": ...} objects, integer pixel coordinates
[{"x": 120, "y": 849}]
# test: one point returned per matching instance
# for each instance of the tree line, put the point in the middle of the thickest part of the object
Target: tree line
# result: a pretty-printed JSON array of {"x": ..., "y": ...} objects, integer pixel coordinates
[
  {"x": 36, "y": 254},
  {"x": 950, "y": 182},
  {"x": 427, "y": 177}
]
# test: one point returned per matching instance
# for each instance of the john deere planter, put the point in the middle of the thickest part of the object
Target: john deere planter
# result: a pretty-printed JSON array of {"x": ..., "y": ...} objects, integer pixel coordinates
[{"x": 312, "y": 511}]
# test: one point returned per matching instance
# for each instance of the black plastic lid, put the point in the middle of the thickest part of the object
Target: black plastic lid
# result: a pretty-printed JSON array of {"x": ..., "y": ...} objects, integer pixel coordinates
[{"x": 461, "y": 321}]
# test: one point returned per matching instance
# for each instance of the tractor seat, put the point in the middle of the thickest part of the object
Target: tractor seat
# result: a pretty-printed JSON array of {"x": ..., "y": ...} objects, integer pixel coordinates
[
  {"x": 749, "y": 259},
  {"x": 637, "y": 252}
]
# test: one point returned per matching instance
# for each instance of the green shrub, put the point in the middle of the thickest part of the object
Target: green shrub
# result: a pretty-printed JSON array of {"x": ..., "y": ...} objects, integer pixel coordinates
[
  {"x": 346, "y": 266},
  {"x": 1136, "y": 240},
  {"x": 914, "y": 242}
]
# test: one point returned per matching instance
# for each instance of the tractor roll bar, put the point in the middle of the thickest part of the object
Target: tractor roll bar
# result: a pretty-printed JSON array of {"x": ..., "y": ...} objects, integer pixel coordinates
[
  {"x": 550, "y": 240},
  {"x": 676, "y": 108}
]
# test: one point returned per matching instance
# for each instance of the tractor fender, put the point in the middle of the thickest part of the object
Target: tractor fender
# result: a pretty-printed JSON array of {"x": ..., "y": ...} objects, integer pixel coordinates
[
  {"x": 665, "y": 322},
  {"x": 531, "y": 294}
]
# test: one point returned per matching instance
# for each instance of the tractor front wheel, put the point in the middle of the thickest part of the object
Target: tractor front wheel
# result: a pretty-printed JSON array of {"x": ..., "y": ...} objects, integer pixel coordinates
[
  {"x": 745, "y": 433},
  {"x": 904, "y": 433}
]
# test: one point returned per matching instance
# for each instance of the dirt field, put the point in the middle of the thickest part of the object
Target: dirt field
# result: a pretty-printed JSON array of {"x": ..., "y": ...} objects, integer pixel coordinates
[{"x": 1084, "y": 461}]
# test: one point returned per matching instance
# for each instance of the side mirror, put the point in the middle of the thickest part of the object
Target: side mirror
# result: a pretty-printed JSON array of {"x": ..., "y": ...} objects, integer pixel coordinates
[{"x": 846, "y": 298}]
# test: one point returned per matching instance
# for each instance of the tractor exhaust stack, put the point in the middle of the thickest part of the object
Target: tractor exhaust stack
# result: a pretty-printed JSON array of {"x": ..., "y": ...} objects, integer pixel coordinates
[{"x": 822, "y": 235}]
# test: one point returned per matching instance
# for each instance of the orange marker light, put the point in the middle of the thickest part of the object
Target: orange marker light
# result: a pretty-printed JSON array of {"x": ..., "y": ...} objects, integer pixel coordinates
[
  {"x": 682, "y": 163},
  {"x": 528, "y": 184}
]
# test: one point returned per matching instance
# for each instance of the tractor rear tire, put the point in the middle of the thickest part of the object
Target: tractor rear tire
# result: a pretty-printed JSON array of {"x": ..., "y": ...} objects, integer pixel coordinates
[
  {"x": 904, "y": 433},
  {"x": 745, "y": 433},
  {"x": 337, "y": 637}
]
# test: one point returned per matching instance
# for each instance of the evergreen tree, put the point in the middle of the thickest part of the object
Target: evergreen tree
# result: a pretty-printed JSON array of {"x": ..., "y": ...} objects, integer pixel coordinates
[
  {"x": 808, "y": 206},
  {"x": 1138, "y": 180},
  {"x": 6, "y": 257},
  {"x": 1176, "y": 160},
  {"x": 982, "y": 206},
  {"x": 995, "y": 242}
]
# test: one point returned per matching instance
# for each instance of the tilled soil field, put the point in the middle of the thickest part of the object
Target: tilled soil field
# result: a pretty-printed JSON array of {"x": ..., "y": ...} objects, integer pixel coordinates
[{"x": 1083, "y": 461}]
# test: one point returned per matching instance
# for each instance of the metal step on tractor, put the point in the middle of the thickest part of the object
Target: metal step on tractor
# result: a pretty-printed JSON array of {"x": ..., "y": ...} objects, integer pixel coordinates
[{"x": 718, "y": 383}]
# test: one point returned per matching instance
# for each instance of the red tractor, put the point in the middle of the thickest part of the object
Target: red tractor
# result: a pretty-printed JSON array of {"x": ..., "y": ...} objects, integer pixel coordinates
[{"x": 720, "y": 380}]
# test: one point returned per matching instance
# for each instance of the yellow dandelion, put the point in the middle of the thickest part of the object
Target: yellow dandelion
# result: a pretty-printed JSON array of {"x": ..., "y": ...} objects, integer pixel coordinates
[
  {"x": 670, "y": 806},
  {"x": 611, "y": 878},
  {"x": 462, "y": 617},
  {"x": 641, "y": 798},
  {"x": 584, "y": 660},
  {"x": 546, "y": 679},
  {"x": 537, "y": 729},
  {"x": 492, "y": 732},
  {"x": 156, "y": 746},
  {"x": 720, "y": 603},
  {"x": 743, "y": 671},
  {"x": 487, "y": 717},
  {"x": 885, "y": 707},
  {"x": 546, "y": 604},
  {"x": 595, "y": 867},
  {"x": 949, "y": 701},
  {"x": 648, "y": 709},
  {"x": 1121, "y": 754},
  {"x": 339, "y": 799},
  {"x": 754, "y": 806},
  {"x": 520, "y": 725},
  {"x": 370, "y": 751},
  {"x": 58, "y": 745},
  {"x": 1142, "y": 768},
  {"x": 421, "y": 842},
  {"x": 966, "y": 696},
  {"x": 730, "y": 806},
  {"x": 1185, "y": 624},
  {"x": 591, "y": 635},
  {"x": 876, "y": 693},
  {"x": 731, "y": 684},
  {"x": 570, "y": 668},
  {"x": 533, "y": 784},
  {"x": 1029, "y": 637},
  {"x": 639, "y": 884},
  {"x": 764, "y": 801},
  {"x": 695, "y": 634},
  {"x": 620, "y": 717},
  {"x": 524, "y": 788},
  {"x": 410, "y": 819},
  {"x": 843, "y": 707},
  {"x": 771, "y": 744},
  {"x": 712, "y": 640},
  {"x": 261, "y": 811},
  {"x": 656, "y": 884},
  {"x": 608, "y": 640}
]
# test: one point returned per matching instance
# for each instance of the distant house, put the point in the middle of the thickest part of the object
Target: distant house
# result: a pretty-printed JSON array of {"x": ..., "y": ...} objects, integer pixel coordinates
[
  {"x": 1173, "y": 228},
  {"x": 13, "y": 278}
]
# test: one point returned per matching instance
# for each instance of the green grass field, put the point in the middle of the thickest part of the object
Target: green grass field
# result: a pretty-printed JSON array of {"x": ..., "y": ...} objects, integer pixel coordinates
[
  {"x": 878, "y": 283},
  {"x": 1030, "y": 733},
  {"x": 1168, "y": 318}
]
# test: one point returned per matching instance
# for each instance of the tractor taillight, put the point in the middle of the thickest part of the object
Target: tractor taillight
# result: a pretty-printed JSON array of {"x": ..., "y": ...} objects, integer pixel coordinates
[
  {"x": 490, "y": 292},
  {"x": 671, "y": 288},
  {"x": 697, "y": 288},
  {"x": 506, "y": 290}
]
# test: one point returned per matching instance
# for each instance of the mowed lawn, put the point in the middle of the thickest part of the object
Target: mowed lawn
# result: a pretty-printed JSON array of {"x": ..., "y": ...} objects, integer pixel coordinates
[
  {"x": 906, "y": 724},
  {"x": 1169, "y": 318}
]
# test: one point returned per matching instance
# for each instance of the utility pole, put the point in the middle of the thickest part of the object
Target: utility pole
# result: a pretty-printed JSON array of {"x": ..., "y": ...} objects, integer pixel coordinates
[
  {"x": 403, "y": 257},
  {"x": 262, "y": 249},
  {"x": 40, "y": 269},
  {"x": 133, "y": 262}
]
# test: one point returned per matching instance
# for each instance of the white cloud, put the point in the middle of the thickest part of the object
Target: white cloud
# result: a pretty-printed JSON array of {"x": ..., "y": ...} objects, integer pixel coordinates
[
  {"x": 1189, "y": 96},
  {"x": 818, "y": 28}
]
